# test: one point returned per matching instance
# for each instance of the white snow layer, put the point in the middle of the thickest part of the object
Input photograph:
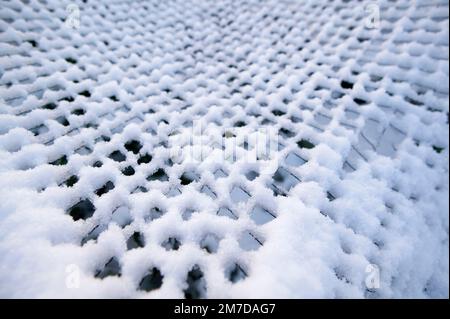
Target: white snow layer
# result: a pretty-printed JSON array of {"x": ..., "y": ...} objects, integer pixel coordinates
[{"x": 94, "y": 203}]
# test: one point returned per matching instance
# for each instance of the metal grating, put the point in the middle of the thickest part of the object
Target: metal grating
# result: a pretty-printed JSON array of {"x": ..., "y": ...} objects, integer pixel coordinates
[{"x": 130, "y": 163}]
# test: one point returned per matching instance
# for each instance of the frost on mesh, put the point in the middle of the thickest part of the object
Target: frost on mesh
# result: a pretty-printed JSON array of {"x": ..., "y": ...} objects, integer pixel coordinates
[{"x": 239, "y": 149}]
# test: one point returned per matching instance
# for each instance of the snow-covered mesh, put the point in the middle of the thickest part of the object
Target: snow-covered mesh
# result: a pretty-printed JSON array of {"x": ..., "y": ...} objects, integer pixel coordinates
[{"x": 97, "y": 95}]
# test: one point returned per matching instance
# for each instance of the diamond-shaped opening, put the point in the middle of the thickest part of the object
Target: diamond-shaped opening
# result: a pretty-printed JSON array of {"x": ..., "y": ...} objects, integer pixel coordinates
[
  {"x": 208, "y": 191},
  {"x": 72, "y": 180},
  {"x": 305, "y": 144},
  {"x": 322, "y": 119},
  {"x": 219, "y": 173},
  {"x": 278, "y": 112},
  {"x": 286, "y": 133},
  {"x": 173, "y": 191},
  {"x": 60, "y": 161},
  {"x": 49, "y": 106},
  {"x": 158, "y": 175},
  {"x": 105, "y": 188},
  {"x": 437, "y": 149},
  {"x": 292, "y": 159},
  {"x": 121, "y": 216},
  {"x": 171, "y": 243},
  {"x": 153, "y": 280},
  {"x": 240, "y": 124},
  {"x": 283, "y": 180},
  {"x": 210, "y": 243},
  {"x": 187, "y": 213},
  {"x": 133, "y": 146},
  {"x": 128, "y": 171},
  {"x": 225, "y": 211},
  {"x": 93, "y": 234},
  {"x": 97, "y": 164},
  {"x": 249, "y": 242},
  {"x": 85, "y": 93},
  {"x": 62, "y": 120},
  {"x": 38, "y": 130},
  {"x": 83, "y": 150},
  {"x": 360, "y": 101},
  {"x": 346, "y": 84},
  {"x": 196, "y": 284},
  {"x": 261, "y": 216},
  {"x": 144, "y": 159},
  {"x": 251, "y": 175},
  {"x": 111, "y": 268},
  {"x": 238, "y": 194},
  {"x": 78, "y": 112},
  {"x": 188, "y": 177},
  {"x": 117, "y": 156},
  {"x": 296, "y": 119},
  {"x": 71, "y": 60},
  {"x": 135, "y": 241},
  {"x": 154, "y": 213},
  {"x": 82, "y": 210},
  {"x": 330, "y": 197},
  {"x": 235, "y": 273}
]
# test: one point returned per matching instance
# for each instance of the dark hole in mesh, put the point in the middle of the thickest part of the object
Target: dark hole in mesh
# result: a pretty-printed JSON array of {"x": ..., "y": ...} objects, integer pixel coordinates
[
  {"x": 133, "y": 146},
  {"x": 305, "y": 144},
  {"x": 49, "y": 106},
  {"x": 60, "y": 161},
  {"x": 196, "y": 286},
  {"x": 151, "y": 281},
  {"x": 97, "y": 164},
  {"x": 144, "y": 159},
  {"x": 71, "y": 60},
  {"x": 33, "y": 43},
  {"x": 438, "y": 149},
  {"x": 187, "y": 178},
  {"x": 154, "y": 213},
  {"x": 85, "y": 93},
  {"x": 112, "y": 268},
  {"x": 82, "y": 210},
  {"x": 128, "y": 171},
  {"x": 40, "y": 129},
  {"x": 104, "y": 189},
  {"x": 236, "y": 274},
  {"x": 251, "y": 175},
  {"x": 78, "y": 112},
  {"x": 72, "y": 180},
  {"x": 210, "y": 243},
  {"x": 171, "y": 243},
  {"x": 135, "y": 241},
  {"x": 286, "y": 133},
  {"x": 117, "y": 156},
  {"x": 159, "y": 175},
  {"x": 346, "y": 85},
  {"x": 360, "y": 101},
  {"x": 278, "y": 112},
  {"x": 62, "y": 120},
  {"x": 67, "y": 99}
]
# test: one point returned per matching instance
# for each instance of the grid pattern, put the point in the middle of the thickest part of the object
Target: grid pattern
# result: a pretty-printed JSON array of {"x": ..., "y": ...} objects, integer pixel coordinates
[{"x": 90, "y": 118}]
